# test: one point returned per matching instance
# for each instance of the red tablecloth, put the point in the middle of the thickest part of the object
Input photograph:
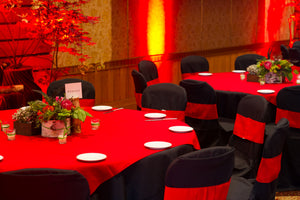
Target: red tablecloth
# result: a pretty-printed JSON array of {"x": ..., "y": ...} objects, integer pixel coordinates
[
  {"x": 229, "y": 81},
  {"x": 121, "y": 137}
]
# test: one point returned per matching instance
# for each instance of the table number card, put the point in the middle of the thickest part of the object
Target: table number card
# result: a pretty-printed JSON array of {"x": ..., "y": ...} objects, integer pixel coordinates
[{"x": 73, "y": 90}]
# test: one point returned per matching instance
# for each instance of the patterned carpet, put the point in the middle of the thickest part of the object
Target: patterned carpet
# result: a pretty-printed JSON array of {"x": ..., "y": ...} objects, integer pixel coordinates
[{"x": 291, "y": 195}]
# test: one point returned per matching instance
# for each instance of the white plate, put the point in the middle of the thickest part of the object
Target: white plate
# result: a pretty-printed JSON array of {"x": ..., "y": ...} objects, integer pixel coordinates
[
  {"x": 1, "y": 157},
  {"x": 266, "y": 91},
  {"x": 205, "y": 74},
  {"x": 238, "y": 71},
  {"x": 155, "y": 115},
  {"x": 91, "y": 157},
  {"x": 181, "y": 129},
  {"x": 101, "y": 108},
  {"x": 157, "y": 145}
]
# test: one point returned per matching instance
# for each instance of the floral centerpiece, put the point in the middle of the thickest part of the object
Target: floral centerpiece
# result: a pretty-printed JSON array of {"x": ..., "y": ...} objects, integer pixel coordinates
[
  {"x": 25, "y": 121},
  {"x": 274, "y": 71},
  {"x": 55, "y": 115}
]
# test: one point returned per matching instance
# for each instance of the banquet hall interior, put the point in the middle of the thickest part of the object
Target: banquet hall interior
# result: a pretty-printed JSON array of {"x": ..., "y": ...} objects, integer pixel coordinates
[{"x": 129, "y": 57}]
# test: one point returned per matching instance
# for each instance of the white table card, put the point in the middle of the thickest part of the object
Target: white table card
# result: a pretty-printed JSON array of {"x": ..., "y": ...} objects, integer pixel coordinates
[{"x": 73, "y": 90}]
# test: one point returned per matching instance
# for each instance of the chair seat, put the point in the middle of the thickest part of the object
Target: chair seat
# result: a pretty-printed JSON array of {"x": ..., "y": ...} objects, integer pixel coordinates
[{"x": 240, "y": 188}]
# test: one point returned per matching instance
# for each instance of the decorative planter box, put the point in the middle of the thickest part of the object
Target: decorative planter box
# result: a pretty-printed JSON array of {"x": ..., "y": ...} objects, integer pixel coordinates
[
  {"x": 54, "y": 128},
  {"x": 252, "y": 78},
  {"x": 273, "y": 78},
  {"x": 26, "y": 129}
]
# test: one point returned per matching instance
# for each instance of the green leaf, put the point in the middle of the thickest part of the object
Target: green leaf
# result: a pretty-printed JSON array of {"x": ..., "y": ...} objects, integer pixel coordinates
[
  {"x": 296, "y": 71},
  {"x": 289, "y": 76}
]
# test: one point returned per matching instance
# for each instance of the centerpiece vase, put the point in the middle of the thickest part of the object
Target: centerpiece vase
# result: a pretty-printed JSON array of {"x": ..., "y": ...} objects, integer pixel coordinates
[
  {"x": 271, "y": 77},
  {"x": 76, "y": 123},
  {"x": 54, "y": 128}
]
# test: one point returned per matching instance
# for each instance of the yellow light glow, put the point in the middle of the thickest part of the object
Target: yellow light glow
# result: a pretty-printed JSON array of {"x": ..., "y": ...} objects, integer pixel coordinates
[{"x": 156, "y": 27}]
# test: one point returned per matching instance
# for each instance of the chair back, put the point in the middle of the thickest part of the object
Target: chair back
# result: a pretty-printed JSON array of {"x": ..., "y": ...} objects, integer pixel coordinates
[
  {"x": 168, "y": 98},
  {"x": 43, "y": 183},
  {"x": 270, "y": 165},
  {"x": 284, "y": 52},
  {"x": 57, "y": 88},
  {"x": 190, "y": 65},
  {"x": 294, "y": 54},
  {"x": 244, "y": 61},
  {"x": 296, "y": 44},
  {"x": 201, "y": 175},
  {"x": 140, "y": 85},
  {"x": 288, "y": 107},
  {"x": 149, "y": 70},
  {"x": 248, "y": 134},
  {"x": 201, "y": 112}
]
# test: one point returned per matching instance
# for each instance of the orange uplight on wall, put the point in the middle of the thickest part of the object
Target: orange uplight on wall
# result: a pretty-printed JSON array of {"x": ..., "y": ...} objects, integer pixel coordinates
[{"x": 156, "y": 27}]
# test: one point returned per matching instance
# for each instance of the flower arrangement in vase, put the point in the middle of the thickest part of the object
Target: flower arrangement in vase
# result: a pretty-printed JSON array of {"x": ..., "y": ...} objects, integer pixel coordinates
[
  {"x": 55, "y": 115},
  {"x": 273, "y": 71}
]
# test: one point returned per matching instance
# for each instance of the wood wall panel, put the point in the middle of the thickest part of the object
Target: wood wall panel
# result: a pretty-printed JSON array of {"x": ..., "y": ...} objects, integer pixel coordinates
[{"x": 114, "y": 85}]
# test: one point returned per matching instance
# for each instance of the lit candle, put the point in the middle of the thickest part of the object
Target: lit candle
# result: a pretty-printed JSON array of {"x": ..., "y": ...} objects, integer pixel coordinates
[
  {"x": 242, "y": 75},
  {"x": 5, "y": 126},
  {"x": 62, "y": 139},
  {"x": 95, "y": 123},
  {"x": 11, "y": 134}
]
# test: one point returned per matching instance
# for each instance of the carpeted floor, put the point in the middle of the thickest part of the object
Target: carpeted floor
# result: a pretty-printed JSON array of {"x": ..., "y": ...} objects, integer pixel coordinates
[{"x": 291, "y": 195}]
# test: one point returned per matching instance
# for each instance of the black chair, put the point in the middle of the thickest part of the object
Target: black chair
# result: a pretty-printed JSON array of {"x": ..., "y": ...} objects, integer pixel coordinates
[
  {"x": 263, "y": 187},
  {"x": 130, "y": 183},
  {"x": 165, "y": 97},
  {"x": 248, "y": 135},
  {"x": 190, "y": 65},
  {"x": 149, "y": 70},
  {"x": 140, "y": 85},
  {"x": 296, "y": 44},
  {"x": 43, "y": 184},
  {"x": 201, "y": 113},
  {"x": 57, "y": 88},
  {"x": 204, "y": 174},
  {"x": 244, "y": 61},
  {"x": 294, "y": 54},
  {"x": 288, "y": 106},
  {"x": 284, "y": 52}
]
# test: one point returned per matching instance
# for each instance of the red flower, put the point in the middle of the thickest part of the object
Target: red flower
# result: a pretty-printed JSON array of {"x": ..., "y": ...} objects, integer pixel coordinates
[
  {"x": 279, "y": 66},
  {"x": 67, "y": 104},
  {"x": 268, "y": 65}
]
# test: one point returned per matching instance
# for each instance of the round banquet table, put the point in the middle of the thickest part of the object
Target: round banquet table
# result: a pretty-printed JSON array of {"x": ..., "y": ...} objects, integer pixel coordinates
[
  {"x": 230, "y": 89},
  {"x": 121, "y": 137}
]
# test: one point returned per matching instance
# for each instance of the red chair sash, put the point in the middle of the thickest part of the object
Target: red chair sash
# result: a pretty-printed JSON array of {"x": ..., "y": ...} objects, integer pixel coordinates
[
  {"x": 87, "y": 102},
  {"x": 201, "y": 111},
  {"x": 293, "y": 117},
  {"x": 138, "y": 99},
  {"x": 207, "y": 193},
  {"x": 152, "y": 82},
  {"x": 249, "y": 129},
  {"x": 170, "y": 113},
  {"x": 269, "y": 169}
]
